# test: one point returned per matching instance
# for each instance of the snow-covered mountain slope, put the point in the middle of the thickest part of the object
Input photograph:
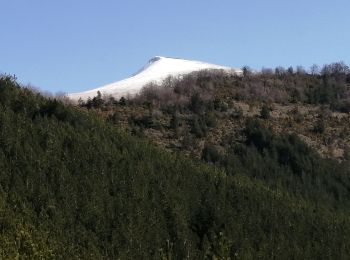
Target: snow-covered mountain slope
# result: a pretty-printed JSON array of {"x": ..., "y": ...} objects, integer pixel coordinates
[{"x": 157, "y": 69}]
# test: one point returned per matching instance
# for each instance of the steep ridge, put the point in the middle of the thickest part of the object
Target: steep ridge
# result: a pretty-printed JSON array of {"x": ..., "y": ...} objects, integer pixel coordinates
[{"x": 157, "y": 69}]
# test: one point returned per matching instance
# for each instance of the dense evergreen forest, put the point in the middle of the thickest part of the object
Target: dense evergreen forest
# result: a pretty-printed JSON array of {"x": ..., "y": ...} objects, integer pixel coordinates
[{"x": 74, "y": 186}]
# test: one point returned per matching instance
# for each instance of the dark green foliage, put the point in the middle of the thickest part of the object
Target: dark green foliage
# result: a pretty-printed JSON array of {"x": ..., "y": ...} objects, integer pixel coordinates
[
  {"x": 236, "y": 113},
  {"x": 319, "y": 126},
  {"x": 74, "y": 187},
  {"x": 265, "y": 112},
  {"x": 220, "y": 105},
  {"x": 111, "y": 101},
  {"x": 326, "y": 92},
  {"x": 211, "y": 153},
  {"x": 95, "y": 102},
  {"x": 341, "y": 106},
  {"x": 113, "y": 118},
  {"x": 198, "y": 126},
  {"x": 187, "y": 140},
  {"x": 285, "y": 161},
  {"x": 174, "y": 121},
  {"x": 144, "y": 121},
  {"x": 295, "y": 95},
  {"x": 257, "y": 135},
  {"x": 122, "y": 101},
  {"x": 297, "y": 115},
  {"x": 210, "y": 119},
  {"x": 197, "y": 104}
]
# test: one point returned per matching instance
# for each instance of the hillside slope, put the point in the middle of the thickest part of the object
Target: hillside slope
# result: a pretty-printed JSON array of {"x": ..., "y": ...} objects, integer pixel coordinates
[{"x": 74, "y": 187}]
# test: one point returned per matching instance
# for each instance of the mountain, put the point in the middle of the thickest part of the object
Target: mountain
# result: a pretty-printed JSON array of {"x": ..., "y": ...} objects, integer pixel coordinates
[
  {"x": 157, "y": 69},
  {"x": 73, "y": 186}
]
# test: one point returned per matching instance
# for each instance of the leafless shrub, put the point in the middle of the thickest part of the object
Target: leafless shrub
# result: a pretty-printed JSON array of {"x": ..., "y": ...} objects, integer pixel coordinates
[
  {"x": 280, "y": 71},
  {"x": 315, "y": 69},
  {"x": 270, "y": 85},
  {"x": 335, "y": 68},
  {"x": 61, "y": 96},
  {"x": 266, "y": 71},
  {"x": 156, "y": 95}
]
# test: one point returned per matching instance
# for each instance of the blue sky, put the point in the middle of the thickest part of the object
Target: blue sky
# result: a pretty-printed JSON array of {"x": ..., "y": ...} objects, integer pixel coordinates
[{"x": 77, "y": 45}]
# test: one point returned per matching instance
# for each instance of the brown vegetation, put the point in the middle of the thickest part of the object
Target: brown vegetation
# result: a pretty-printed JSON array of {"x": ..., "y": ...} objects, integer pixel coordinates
[{"x": 210, "y": 107}]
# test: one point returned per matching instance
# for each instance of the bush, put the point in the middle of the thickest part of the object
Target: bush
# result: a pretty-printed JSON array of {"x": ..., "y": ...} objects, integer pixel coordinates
[
  {"x": 212, "y": 153},
  {"x": 319, "y": 126},
  {"x": 210, "y": 119},
  {"x": 113, "y": 118},
  {"x": 236, "y": 113},
  {"x": 123, "y": 101},
  {"x": 297, "y": 116},
  {"x": 220, "y": 105},
  {"x": 265, "y": 112},
  {"x": 257, "y": 135},
  {"x": 198, "y": 126},
  {"x": 197, "y": 104},
  {"x": 341, "y": 106}
]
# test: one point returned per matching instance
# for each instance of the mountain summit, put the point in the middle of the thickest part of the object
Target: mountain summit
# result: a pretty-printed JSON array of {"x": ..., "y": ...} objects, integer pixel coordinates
[{"x": 157, "y": 69}]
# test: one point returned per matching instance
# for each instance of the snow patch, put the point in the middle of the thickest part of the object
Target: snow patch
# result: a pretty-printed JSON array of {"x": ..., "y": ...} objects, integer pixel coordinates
[{"x": 157, "y": 69}]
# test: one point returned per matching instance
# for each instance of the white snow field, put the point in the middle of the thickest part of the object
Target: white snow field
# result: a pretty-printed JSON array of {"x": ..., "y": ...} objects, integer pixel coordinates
[{"x": 157, "y": 69}]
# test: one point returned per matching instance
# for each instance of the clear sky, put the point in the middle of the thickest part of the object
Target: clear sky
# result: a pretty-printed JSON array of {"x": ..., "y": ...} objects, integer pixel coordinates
[{"x": 75, "y": 45}]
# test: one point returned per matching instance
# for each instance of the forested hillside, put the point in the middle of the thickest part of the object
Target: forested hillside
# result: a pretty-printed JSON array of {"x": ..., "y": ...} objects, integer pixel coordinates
[{"x": 73, "y": 186}]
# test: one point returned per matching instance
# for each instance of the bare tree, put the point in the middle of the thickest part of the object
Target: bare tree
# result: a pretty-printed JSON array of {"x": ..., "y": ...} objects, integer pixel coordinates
[{"x": 315, "y": 69}]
